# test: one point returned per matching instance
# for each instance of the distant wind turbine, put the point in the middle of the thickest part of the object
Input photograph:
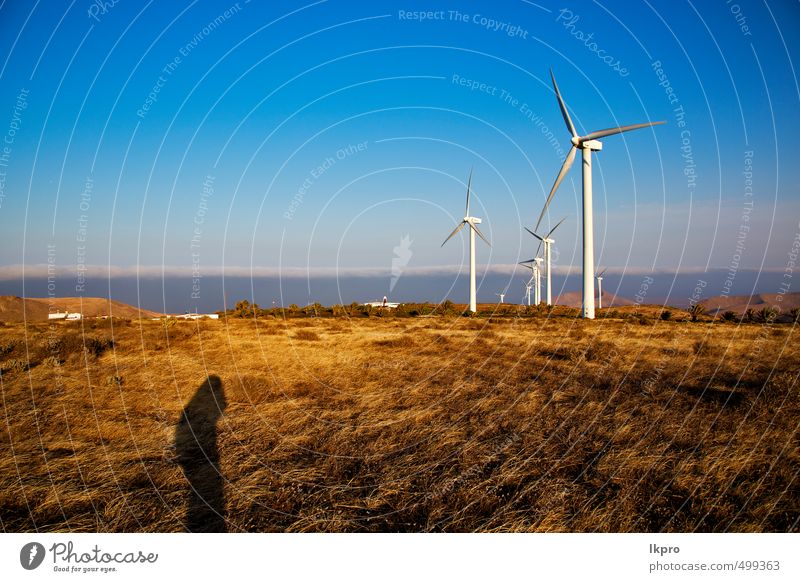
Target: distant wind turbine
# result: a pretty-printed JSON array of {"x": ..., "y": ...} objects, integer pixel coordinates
[
  {"x": 600, "y": 288},
  {"x": 547, "y": 241},
  {"x": 502, "y": 296},
  {"x": 537, "y": 271},
  {"x": 473, "y": 229},
  {"x": 587, "y": 144},
  {"x": 529, "y": 284},
  {"x": 535, "y": 282}
]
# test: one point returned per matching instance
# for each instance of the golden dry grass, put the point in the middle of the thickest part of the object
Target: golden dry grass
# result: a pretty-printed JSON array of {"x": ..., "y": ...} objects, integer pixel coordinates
[{"x": 418, "y": 424}]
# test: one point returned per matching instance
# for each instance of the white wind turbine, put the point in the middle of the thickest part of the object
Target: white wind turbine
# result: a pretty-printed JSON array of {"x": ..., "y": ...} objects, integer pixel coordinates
[
  {"x": 502, "y": 296},
  {"x": 535, "y": 282},
  {"x": 600, "y": 288},
  {"x": 547, "y": 242},
  {"x": 530, "y": 283},
  {"x": 587, "y": 144},
  {"x": 473, "y": 229}
]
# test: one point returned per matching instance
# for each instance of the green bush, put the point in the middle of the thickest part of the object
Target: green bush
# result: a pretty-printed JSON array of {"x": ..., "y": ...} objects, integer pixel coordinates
[{"x": 768, "y": 314}]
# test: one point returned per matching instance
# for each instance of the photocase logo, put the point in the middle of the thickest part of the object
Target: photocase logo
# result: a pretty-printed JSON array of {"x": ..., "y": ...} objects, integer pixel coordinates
[
  {"x": 31, "y": 555},
  {"x": 402, "y": 255}
]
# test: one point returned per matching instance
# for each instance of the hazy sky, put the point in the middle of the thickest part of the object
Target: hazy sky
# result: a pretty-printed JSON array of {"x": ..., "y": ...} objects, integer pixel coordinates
[{"x": 168, "y": 137}]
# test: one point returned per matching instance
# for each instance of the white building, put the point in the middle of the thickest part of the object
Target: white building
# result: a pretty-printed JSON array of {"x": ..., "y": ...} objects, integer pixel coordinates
[
  {"x": 65, "y": 316},
  {"x": 197, "y": 316}
]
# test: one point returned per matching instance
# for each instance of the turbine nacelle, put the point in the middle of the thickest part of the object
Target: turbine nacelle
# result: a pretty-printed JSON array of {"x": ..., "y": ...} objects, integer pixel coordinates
[
  {"x": 588, "y": 144},
  {"x": 583, "y": 142}
]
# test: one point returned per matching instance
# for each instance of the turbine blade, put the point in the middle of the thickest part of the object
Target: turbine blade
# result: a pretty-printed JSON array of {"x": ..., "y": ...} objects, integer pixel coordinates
[
  {"x": 564, "y": 169},
  {"x": 533, "y": 233},
  {"x": 480, "y": 234},
  {"x": 603, "y": 272},
  {"x": 563, "y": 107},
  {"x": 616, "y": 130},
  {"x": 452, "y": 234},
  {"x": 552, "y": 230},
  {"x": 469, "y": 184}
]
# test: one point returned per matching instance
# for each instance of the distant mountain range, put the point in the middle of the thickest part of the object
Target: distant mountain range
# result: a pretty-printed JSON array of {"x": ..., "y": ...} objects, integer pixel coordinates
[
  {"x": 740, "y": 303},
  {"x": 575, "y": 299},
  {"x": 720, "y": 303}
]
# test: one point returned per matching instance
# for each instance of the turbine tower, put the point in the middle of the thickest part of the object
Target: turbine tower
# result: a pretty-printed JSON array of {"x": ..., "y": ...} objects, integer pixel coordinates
[
  {"x": 547, "y": 241},
  {"x": 600, "y": 288},
  {"x": 587, "y": 144},
  {"x": 473, "y": 229}
]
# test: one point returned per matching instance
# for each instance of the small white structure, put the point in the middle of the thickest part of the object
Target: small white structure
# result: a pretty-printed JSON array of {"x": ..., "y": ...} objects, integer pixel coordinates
[
  {"x": 386, "y": 304},
  {"x": 197, "y": 316},
  {"x": 64, "y": 316}
]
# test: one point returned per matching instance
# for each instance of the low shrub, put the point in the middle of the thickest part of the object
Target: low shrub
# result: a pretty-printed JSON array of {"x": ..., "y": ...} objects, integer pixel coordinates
[
  {"x": 768, "y": 314},
  {"x": 696, "y": 311},
  {"x": 51, "y": 362},
  {"x": 14, "y": 365}
]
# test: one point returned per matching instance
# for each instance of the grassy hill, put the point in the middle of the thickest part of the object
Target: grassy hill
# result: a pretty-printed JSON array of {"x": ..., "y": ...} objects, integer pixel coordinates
[
  {"x": 400, "y": 424},
  {"x": 17, "y": 309}
]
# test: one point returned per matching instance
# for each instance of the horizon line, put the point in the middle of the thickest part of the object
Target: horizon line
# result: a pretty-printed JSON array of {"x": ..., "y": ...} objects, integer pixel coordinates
[{"x": 43, "y": 271}]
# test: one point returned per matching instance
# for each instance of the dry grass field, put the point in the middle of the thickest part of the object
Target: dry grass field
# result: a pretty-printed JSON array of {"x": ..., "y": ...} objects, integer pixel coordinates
[{"x": 400, "y": 424}]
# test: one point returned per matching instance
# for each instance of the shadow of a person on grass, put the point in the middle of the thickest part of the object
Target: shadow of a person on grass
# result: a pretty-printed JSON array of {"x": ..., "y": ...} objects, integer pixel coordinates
[{"x": 196, "y": 449}]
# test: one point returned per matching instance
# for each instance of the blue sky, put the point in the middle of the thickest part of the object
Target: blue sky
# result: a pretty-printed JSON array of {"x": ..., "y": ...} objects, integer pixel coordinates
[{"x": 327, "y": 131}]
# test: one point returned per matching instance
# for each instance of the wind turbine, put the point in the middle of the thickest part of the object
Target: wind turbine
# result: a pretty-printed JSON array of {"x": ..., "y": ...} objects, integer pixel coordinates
[
  {"x": 473, "y": 229},
  {"x": 547, "y": 242},
  {"x": 502, "y": 296},
  {"x": 600, "y": 288},
  {"x": 537, "y": 271},
  {"x": 530, "y": 282},
  {"x": 587, "y": 144},
  {"x": 535, "y": 282}
]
